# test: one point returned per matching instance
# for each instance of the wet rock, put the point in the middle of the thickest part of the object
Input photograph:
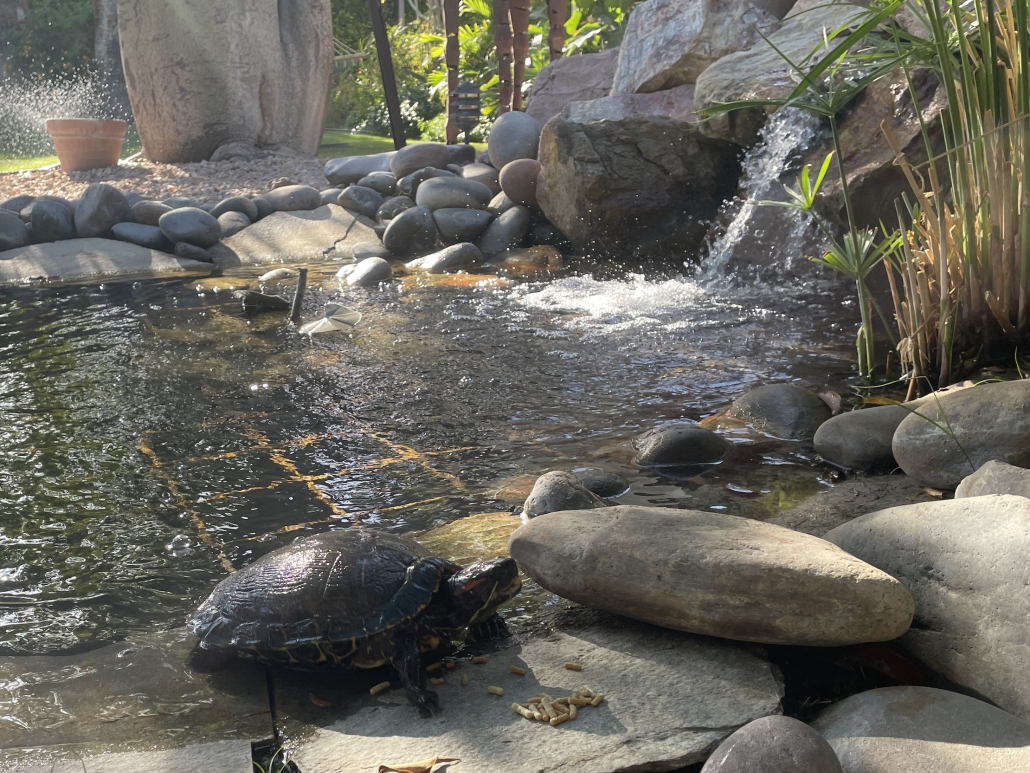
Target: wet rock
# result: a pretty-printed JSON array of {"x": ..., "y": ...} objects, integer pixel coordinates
[
  {"x": 500, "y": 204},
  {"x": 990, "y": 422},
  {"x": 409, "y": 185},
  {"x": 601, "y": 482},
  {"x": 50, "y": 221},
  {"x": 680, "y": 445},
  {"x": 13, "y": 232},
  {"x": 518, "y": 179},
  {"x": 383, "y": 183},
  {"x": 462, "y": 154},
  {"x": 149, "y": 236},
  {"x": 369, "y": 272},
  {"x": 549, "y": 235},
  {"x": 482, "y": 173},
  {"x": 774, "y": 744},
  {"x": 191, "y": 225},
  {"x": 781, "y": 410},
  {"x": 392, "y": 207},
  {"x": 964, "y": 560},
  {"x": 100, "y": 207},
  {"x": 411, "y": 158},
  {"x": 514, "y": 135},
  {"x": 363, "y": 250},
  {"x": 924, "y": 730},
  {"x": 290, "y": 198},
  {"x": 462, "y": 225},
  {"x": 559, "y": 490},
  {"x": 330, "y": 195},
  {"x": 364, "y": 201},
  {"x": 264, "y": 207},
  {"x": 571, "y": 79},
  {"x": 506, "y": 231},
  {"x": 259, "y": 303},
  {"x": 193, "y": 252},
  {"x": 457, "y": 257},
  {"x": 149, "y": 212},
  {"x": 235, "y": 204},
  {"x": 413, "y": 230},
  {"x": 861, "y": 440},
  {"x": 720, "y": 575},
  {"x": 452, "y": 193},
  {"x": 473, "y": 538},
  {"x": 669, "y": 699},
  {"x": 671, "y": 42},
  {"x": 995, "y": 478},
  {"x": 232, "y": 223},
  {"x": 529, "y": 261},
  {"x": 347, "y": 171}
]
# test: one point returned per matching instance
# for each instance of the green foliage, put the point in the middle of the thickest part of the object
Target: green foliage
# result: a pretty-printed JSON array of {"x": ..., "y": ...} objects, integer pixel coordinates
[{"x": 57, "y": 39}]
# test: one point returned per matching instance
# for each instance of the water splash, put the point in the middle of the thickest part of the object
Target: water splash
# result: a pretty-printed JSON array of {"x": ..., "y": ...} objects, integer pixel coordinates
[{"x": 786, "y": 133}]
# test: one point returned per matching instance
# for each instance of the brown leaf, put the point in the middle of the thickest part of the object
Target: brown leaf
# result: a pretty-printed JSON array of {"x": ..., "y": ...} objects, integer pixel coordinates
[{"x": 422, "y": 766}]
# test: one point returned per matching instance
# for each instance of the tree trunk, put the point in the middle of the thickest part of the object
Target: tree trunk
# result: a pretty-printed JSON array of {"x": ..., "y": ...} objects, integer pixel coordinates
[
  {"x": 452, "y": 57},
  {"x": 503, "y": 39},
  {"x": 557, "y": 14},
  {"x": 107, "y": 52},
  {"x": 519, "y": 14}
]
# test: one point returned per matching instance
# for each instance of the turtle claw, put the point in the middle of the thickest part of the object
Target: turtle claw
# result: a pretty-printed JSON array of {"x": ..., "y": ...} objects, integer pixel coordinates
[
  {"x": 493, "y": 627},
  {"x": 426, "y": 701}
]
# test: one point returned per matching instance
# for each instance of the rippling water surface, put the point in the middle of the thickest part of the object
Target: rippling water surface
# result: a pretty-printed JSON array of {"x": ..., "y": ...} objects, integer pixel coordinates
[{"x": 154, "y": 436}]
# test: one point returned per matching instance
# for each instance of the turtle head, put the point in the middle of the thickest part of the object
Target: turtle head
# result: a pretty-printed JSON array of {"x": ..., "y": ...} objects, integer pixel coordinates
[{"x": 478, "y": 590}]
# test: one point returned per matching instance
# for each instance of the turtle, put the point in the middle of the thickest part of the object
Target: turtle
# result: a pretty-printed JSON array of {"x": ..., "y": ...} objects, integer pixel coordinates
[{"x": 353, "y": 597}]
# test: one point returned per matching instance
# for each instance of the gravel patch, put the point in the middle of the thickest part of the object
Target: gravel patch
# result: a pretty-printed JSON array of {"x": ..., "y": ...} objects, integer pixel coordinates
[{"x": 204, "y": 181}]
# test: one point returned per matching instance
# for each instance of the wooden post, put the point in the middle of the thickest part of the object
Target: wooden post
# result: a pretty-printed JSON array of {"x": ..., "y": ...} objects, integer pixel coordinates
[
  {"x": 298, "y": 296},
  {"x": 393, "y": 102},
  {"x": 518, "y": 11},
  {"x": 557, "y": 14},
  {"x": 503, "y": 40},
  {"x": 452, "y": 57}
]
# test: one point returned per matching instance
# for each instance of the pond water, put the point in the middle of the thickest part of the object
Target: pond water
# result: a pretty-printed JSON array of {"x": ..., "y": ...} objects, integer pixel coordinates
[{"x": 155, "y": 436}]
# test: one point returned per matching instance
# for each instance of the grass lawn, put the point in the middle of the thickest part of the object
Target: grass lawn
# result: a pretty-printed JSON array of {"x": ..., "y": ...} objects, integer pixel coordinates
[{"x": 20, "y": 164}]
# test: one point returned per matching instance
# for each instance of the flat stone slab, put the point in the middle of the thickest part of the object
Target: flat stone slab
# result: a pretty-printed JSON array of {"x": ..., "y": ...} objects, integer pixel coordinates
[
  {"x": 137, "y": 695},
  {"x": 295, "y": 236},
  {"x": 220, "y": 757},
  {"x": 670, "y": 699},
  {"x": 79, "y": 260}
]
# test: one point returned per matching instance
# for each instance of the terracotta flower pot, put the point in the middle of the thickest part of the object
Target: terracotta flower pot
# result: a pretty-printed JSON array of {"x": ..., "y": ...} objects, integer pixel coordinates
[{"x": 86, "y": 143}]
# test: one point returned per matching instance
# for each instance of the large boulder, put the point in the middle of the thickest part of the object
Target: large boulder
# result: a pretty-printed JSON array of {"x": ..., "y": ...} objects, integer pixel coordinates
[
  {"x": 761, "y": 73},
  {"x": 671, "y": 42},
  {"x": 571, "y": 79},
  {"x": 626, "y": 179},
  {"x": 995, "y": 478},
  {"x": 718, "y": 575},
  {"x": 953, "y": 436},
  {"x": 924, "y": 730},
  {"x": 965, "y": 562},
  {"x": 201, "y": 73}
]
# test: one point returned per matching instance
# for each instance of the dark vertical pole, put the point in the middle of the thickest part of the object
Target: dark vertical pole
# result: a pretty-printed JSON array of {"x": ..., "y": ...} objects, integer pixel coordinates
[
  {"x": 298, "y": 296},
  {"x": 393, "y": 103}
]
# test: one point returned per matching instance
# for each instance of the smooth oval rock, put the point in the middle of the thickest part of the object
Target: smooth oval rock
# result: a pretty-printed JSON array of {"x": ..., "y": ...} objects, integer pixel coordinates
[
  {"x": 413, "y": 230},
  {"x": 457, "y": 257},
  {"x": 13, "y": 232},
  {"x": 601, "y": 482},
  {"x": 965, "y": 562},
  {"x": 393, "y": 206},
  {"x": 330, "y": 195},
  {"x": 236, "y": 204},
  {"x": 452, "y": 193},
  {"x": 193, "y": 252},
  {"x": 775, "y": 744},
  {"x": 861, "y": 440},
  {"x": 719, "y": 575},
  {"x": 191, "y": 225},
  {"x": 924, "y": 730},
  {"x": 559, "y": 490},
  {"x": 518, "y": 180},
  {"x": 513, "y": 136},
  {"x": 148, "y": 212},
  {"x": 358, "y": 198},
  {"x": 100, "y": 207},
  {"x": 369, "y": 273},
  {"x": 383, "y": 183},
  {"x": 347, "y": 171},
  {"x": 50, "y": 221},
  {"x": 995, "y": 478},
  {"x": 987, "y": 422},
  {"x": 411, "y": 158},
  {"x": 462, "y": 154},
  {"x": 409, "y": 185},
  {"x": 363, "y": 250},
  {"x": 292, "y": 198},
  {"x": 500, "y": 204},
  {"x": 144, "y": 235},
  {"x": 264, "y": 207},
  {"x": 17, "y": 203},
  {"x": 482, "y": 173},
  {"x": 178, "y": 202},
  {"x": 782, "y": 410},
  {"x": 680, "y": 445},
  {"x": 506, "y": 231},
  {"x": 462, "y": 225},
  {"x": 232, "y": 223}
]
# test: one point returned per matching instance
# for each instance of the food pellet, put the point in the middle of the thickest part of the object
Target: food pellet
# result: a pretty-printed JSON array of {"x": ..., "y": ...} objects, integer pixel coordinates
[
  {"x": 584, "y": 692},
  {"x": 555, "y": 721},
  {"x": 464, "y": 680},
  {"x": 495, "y": 690},
  {"x": 379, "y": 688},
  {"x": 436, "y": 681},
  {"x": 597, "y": 699},
  {"x": 548, "y": 709},
  {"x": 517, "y": 670},
  {"x": 579, "y": 701},
  {"x": 449, "y": 664},
  {"x": 573, "y": 666},
  {"x": 533, "y": 700},
  {"x": 560, "y": 708},
  {"x": 479, "y": 660},
  {"x": 572, "y": 710},
  {"x": 523, "y": 711},
  {"x": 433, "y": 667}
]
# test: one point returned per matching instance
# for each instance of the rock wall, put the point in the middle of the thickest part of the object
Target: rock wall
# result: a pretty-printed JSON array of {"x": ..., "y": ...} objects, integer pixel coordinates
[{"x": 201, "y": 73}]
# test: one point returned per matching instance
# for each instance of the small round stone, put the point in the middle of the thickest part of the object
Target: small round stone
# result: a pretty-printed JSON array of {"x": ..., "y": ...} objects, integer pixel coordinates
[
  {"x": 148, "y": 212},
  {"x": 232, "y": 223},
  {"x": 369, "y": 273},
  {"x": 392, "y": 207},
  {"x": 193, "y": 252},
  {"x": 191, "y": 225},
  {"x": 236, "y": 204},
  {"x": 775, "y": 744},
  {"x": 514, "y": 135},
  {"x": 358, "y": 198},
  {"x": 149, "y": 236},
  {"x": 518, "y": 180},
  {"x": 100, "y": 207},
  {"x": 412, "y": 231}
]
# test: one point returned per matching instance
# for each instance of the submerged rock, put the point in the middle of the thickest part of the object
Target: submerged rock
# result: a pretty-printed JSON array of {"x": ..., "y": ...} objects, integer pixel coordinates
[
  {"x": 457, "y": 257},
  {"x": 369, "y": 273},
  {"x": 680, "y": 445},
  {"x": 258, "y": 303},
  {"x": 774, "y": 744},
  {"x": 861, "y": 440},
  {"x": 995, "y": 478},
  {"x": 601, "y": 482},
  {"x": 559, "y": 490},
  {"x": 782, "y": 410},
  {"x": 719, "y": 575}
]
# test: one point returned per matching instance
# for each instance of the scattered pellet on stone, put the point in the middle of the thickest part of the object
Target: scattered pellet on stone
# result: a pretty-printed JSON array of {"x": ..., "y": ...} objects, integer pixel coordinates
[
  {"x": 495, "y": 690},
  {"x": 379, "y": 688},
  {"x": 479, "y": 660},
  {"x": 555, "y": 721},
  {"x": 517, "y": 670},
  {"x": 464, "y": 680},
  {"x": 522, "y": 711},
  {"x": 572, "y": 710},
  {"x": 573, "y": 666},
  {"x": 434, "y": 667},
  {"x": 436, "y": 680},
  {"x": 596, "y": 701}
]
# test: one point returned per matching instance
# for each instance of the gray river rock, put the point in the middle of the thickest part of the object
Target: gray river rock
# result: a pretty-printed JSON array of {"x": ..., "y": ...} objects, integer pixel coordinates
[
  {"x": 369, "y": 273},
  {"x": 506, "y": 231},
  {"x": 232, "y": 223},
  {"x": 393, "y": 206},
  {"x": 363, "y": 250},
  {"x": 291, "y": 198},
  {"x": 513, "y": 135},
  {"x": 677, "y": 445},
  {"x": 482, "y": 173},
  {"x": 452, "y": 192},
  {"x": 774, "y": 744},
  {"x": 965, "y": 562},
  {"x": 13, "y": 232},
  {"x": 410, "y": 232},
  {"x": 100, "y": 207},
  {"x": 50, "y": 221},
  {"x": 720, "y": 575},
  {"x": 559, "y": 490},
  {"x": 148, "y": 212},
  {"x": 462, "y": 225},
  {"x": 995, "y": 478},
  {"x": 347, "y": 171},
  {"x": 383, "y": 183},
  {"x": 861, "y": 440},
  {"x": 192, "y": 225},
  {"x": 149, "y": 236},
  {"x": 781, "y": 410},
  {"x": 358, "y": 198},
  {"x": 330, "y": 195},
  {"x": 457, "y": 257},
  {"x": 234, "y": 204},
  {"x": 411, "y": 158},
  {"x": 670, "y": 698},
  {"x": 193, "y": 252},
  {"x": 924, "y": 730}
]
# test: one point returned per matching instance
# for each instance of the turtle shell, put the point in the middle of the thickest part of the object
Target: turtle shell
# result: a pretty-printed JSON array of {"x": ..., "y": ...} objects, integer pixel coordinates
[{"x": 336, "y": 598}]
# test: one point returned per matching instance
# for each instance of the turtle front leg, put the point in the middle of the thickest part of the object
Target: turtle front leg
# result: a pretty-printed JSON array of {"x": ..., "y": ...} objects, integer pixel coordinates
[{"x": 408, "y": 662}]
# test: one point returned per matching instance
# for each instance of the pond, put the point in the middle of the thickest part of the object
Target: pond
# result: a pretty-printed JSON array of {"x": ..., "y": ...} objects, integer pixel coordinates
[{"x": 156, "y": 437}]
